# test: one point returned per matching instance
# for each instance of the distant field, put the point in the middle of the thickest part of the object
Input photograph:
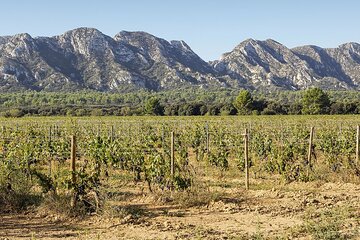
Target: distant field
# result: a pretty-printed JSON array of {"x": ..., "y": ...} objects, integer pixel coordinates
[{"x": 278, "y": 119}]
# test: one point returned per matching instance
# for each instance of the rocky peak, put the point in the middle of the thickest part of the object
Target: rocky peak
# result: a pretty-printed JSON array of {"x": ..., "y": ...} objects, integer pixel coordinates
[
  {"x": 148, "y": 45},
  {"x": 273, "y": 42},
  {"x": 182, "y": 47},
  {"x": 18, "y": 46},
  {"x": 353, "y": 46},
  {"x": 22, "y": 37},
  {"x": 135, "y": 37},
  {"x": 255, "y": 49},
  {"x": 260, "y": 53},
  {"x": 247, "y": 47},
  {"x": 349, "y": 50},
  {"x": 310, "y": 53},
  {"x": 86, "y": 41},
  {"x": 156, "y": 50},
  {"x": 247, "y": 42},
  {"x": 82, "y": 32},
  {"x": 141, "y": 40}
]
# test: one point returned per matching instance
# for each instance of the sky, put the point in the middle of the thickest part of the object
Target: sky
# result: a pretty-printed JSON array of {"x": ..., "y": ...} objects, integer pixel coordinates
[{"x": 209, "y": 27}]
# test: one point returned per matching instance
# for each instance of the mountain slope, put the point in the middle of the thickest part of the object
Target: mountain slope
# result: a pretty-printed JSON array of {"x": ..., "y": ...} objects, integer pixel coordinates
[
  {"x": 270, "y": 64},
  {"x": 85, "y": 58}
]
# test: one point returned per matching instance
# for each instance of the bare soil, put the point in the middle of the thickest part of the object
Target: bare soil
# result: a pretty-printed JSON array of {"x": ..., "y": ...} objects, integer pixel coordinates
[{"x": 274, "y": 211}]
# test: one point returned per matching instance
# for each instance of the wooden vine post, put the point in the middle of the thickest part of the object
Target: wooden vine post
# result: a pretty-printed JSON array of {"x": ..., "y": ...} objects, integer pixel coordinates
[
  {"x": 310, "y": 145},
  {"x": 357, "y": 143},
  {"x": 72, "y": 166},
  {"x": 172, "y": 154},
  {"x": 310, "y": 151},
  {"x": 246, "y": 156},
  {"x": 207, "y": 139},
  {"x": 50, "y": 160},
  {"x": 112, "y": 133},
  {"x": 163, "y": 136}
]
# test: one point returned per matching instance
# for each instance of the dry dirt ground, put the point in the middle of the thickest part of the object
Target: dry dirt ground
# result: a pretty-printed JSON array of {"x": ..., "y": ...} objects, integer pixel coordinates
[{"x": 284, "y": 211}]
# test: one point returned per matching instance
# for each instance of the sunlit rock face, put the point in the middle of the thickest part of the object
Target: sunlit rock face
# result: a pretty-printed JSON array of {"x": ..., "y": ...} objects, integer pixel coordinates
[{"x": 85, "y": 58}]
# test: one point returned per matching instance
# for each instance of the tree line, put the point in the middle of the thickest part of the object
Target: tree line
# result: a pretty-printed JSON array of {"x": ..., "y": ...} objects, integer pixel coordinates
[{"x": 188, "y": 102}]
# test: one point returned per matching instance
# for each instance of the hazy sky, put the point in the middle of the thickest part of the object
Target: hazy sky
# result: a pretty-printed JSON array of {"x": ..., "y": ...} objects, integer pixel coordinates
[{"x": 210, "y": 27}]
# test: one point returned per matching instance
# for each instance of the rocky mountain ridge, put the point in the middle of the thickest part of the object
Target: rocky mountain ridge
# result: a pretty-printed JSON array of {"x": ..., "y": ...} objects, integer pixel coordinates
[{"x": 85, "y": 58}]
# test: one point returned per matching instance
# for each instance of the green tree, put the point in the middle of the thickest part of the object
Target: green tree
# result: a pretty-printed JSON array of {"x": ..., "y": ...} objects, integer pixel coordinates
[
  {"x": 153, "y": 107},
  {"x": 125, "y": 111},
  {"x": 97, "y": 112},
  {"x": 274, "y": 108},
  {"x": 227, "y": 109},
  {"x": 15, "y": 113},
  {"x": 244, "y": 102},
  {"x": 315, "y": 101}
]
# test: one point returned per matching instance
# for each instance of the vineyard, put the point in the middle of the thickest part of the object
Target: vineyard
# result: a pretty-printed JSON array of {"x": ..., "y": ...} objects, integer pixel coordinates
[{"x": 79, "y": 158}]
